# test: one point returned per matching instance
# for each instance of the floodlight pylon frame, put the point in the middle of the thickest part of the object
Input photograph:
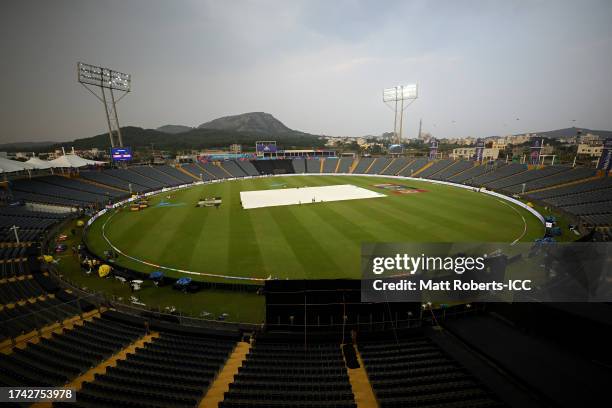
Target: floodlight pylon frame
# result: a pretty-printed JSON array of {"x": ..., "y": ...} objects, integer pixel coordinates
[
  {"x": 398, "y": 94},
  {"x": 109, "y": 81}
]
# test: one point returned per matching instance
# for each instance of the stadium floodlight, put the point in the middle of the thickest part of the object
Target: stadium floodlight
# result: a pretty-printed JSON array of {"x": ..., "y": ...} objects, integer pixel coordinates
[
  {"x": 108, "y": 82},
  {"x": 397, "y": 95}
]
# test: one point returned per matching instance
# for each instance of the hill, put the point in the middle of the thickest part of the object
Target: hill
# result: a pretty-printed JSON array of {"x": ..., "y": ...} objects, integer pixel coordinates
[
  {"x": 174, "y": 129},
  {"x": 196, "y": 138},
  {"x": 253, "y": 122},
  {"x": 571, "y": 132}
]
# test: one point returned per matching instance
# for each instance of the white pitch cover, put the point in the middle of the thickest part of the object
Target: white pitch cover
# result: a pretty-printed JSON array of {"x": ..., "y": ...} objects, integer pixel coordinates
[{"x": 304, "y": 195}]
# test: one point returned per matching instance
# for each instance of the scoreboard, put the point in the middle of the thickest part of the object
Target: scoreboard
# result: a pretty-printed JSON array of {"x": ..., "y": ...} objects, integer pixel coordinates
[{"x": 121, "y": 153}]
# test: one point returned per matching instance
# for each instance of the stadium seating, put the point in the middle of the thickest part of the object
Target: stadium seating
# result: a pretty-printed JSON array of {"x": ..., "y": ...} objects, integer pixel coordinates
[
  {"x": 560, "y": 178},
  {"x": 379, "y": 164},
  {"x": 133, "y": 175},
  {"x": 77, "y": 184},
  {"x": 247, "y": 167},
  {"x": 474, "y": 172},
  {"x": 232, "y": 167},
  {"x": 395, "y": 166},
  {"x": 299, "y": 165},
  {"x": 13, "y": 262},
  {"x": 19, "y": 289},
  {"x": 173, "y": 370},
  {"x": 156, "y": 175},
  {"x": 75, "y": 197},
  {"x": 107, "y": 178},
  {"x": 31, "y": 225},
  {"x": 313, "y": 165},
  {"x": 197, "y": 171},
  {"x": 435, "y": 168},
  {"x": 54, "y": 361},
  {"x": 457, "y": 167},
  {"x": 413, "y": 166},
  {"x": 363, "y": 165},
  {"x": 175, "y": 173},
  {"x": 497, "y": 173},
  {"x": 414, "y": 372},
  {"x": 25, "y": 317},
  {"x": 282, "y": 373},
  {"x": 591, "y": 185},
  {"x": 214, "y": 170},
  {"x": 329, "y": 166},
  {"x": 345, "y": 165},
  {"x": 525, "y": 177}
]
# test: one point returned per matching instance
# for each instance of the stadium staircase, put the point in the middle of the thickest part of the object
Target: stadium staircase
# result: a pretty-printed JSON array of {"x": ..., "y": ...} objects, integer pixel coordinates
[
  {"x": 89, "y": 376},
  {"x": 95, "y": 183},
  {"x": 204, "y": 171},
  {"x": 35, "y": 335},
  {"x": 360, "y": 383},
  {"x": 22, "y": 301},
  {"x": 409, "y": 162},
  {"x": 223, "y": 168},
  {"x": 182, "y": 170},
  {"x": 354, "y": 165},
  {"x": 220, "y": 386},
  {"x": 337, "y": 165},
  {"x": 429, "y": 164},
  {"x": 322, "y": 162},
  {"x": 387, "y": 166},
  {"x": 367, "y": 171}
]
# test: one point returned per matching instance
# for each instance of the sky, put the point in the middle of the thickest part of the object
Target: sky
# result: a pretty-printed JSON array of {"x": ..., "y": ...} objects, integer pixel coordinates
[{"x": 483, "y": 67}]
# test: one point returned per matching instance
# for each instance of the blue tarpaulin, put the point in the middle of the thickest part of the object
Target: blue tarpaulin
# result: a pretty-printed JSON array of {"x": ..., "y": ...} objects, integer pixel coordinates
[
  {"x": 155, "y": 275},
  {"x": 183, "y": 281}
]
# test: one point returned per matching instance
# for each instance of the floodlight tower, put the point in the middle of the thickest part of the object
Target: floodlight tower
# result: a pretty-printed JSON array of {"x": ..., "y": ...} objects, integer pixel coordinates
[
  {"x": 109, "y": 82},
  {"x": 399, "y": 94}
]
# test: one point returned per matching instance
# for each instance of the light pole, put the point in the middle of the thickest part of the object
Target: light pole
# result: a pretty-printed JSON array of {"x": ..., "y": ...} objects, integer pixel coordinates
[
  {"x": 399, "y": 94},
  {"x": 15, "y": 228}
]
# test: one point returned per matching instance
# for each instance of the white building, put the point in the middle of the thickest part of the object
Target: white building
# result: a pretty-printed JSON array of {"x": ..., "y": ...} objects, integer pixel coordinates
[
  {"x": 590, "y": 150},
  {"x": 470, "y": 152}
]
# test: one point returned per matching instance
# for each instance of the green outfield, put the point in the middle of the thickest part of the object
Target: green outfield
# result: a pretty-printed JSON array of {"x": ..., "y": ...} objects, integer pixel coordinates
[{"x": 310, "y": 241}]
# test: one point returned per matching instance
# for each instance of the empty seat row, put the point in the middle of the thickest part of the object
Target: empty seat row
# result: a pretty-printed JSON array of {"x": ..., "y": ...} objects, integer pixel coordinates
[{"x": 415, "y": 372}]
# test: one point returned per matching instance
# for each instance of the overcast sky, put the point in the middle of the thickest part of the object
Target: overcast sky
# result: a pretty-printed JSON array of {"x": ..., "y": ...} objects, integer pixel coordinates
[{"x": 318, "y": 66}]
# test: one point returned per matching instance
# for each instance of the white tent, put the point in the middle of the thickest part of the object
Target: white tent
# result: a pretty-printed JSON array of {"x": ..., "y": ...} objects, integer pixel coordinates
[
  {"x": 39, "y": 164},
  {"x": 10, "y": 166},
  {"x": 94, "y": 162},
  {"x": 70, "y": 160}
]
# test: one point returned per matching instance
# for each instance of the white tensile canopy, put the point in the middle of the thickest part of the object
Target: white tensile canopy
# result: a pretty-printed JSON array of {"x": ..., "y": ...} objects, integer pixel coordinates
[
  {"x": 39, "y": 164},
  {"x": 72, "y": 161},
  {"x": 11, "y": 166}
]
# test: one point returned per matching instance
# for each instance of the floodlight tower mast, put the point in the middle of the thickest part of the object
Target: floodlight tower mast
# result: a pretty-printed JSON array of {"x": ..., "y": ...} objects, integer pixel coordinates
[
  {"x": 399, "y": 94},
  {"x": 109, "y": 82}
]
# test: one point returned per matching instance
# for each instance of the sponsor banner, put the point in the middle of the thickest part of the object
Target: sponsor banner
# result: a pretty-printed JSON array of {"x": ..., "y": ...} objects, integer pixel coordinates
[
  {"x": 433, "y": 149},
  {"x": 605, "y": 161},
  {"x": 265, "y": 148},
  {"x": 542, "y": 271},
  {"x": 536, "y": 148},
  {"x": 479, "y": 152}
]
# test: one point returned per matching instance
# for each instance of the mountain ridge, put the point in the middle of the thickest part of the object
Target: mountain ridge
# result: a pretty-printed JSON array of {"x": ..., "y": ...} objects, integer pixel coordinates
[{"x": 255, "y": 122}]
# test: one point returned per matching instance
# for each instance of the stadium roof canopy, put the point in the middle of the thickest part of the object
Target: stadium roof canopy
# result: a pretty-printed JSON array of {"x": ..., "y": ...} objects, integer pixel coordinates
[
  {"x": 73, "y": 161},
  {"x": 11, "y": 166},
  {"x": 39, "y": 164}
]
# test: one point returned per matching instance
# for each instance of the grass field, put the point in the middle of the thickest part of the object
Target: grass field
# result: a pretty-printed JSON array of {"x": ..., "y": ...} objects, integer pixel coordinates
[{"x": 319, "y": 240}]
